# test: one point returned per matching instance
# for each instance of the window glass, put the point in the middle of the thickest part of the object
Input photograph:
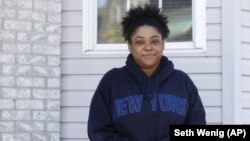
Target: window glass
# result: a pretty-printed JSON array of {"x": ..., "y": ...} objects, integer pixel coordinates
[
  {"x": 109, "y": 17},
  {"x": 180, "y": 19},
  {"x": 110, "y": 12},
  {"x": 134, "y": 3}
]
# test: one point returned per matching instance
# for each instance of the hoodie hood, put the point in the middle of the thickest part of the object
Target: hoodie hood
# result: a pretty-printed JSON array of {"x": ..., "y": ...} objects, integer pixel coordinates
[{"x": 149, "y": 85}]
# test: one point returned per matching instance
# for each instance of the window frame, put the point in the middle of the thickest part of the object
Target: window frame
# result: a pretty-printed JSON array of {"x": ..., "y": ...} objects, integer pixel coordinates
[{"x": 89, "y": 32}]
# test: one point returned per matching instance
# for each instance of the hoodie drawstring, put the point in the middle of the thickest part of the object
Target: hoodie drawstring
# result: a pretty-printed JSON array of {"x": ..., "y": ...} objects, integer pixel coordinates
[
  {"x": 150, "y": 87},
  {"x": 146, "y": 93}
]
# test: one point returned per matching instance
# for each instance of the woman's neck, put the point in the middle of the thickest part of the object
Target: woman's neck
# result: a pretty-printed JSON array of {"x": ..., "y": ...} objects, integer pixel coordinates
[{"x": 149, "y": 71}]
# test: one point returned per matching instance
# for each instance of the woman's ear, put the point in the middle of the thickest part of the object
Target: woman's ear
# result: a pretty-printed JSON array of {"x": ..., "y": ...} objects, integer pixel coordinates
[
  {"x": 129, "y": 47},
  {"x": 163, "y": 47}
]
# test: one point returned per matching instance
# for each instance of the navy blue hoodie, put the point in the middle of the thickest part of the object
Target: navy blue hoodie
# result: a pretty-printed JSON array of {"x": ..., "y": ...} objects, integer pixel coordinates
[{"x": 130, "y": 106}]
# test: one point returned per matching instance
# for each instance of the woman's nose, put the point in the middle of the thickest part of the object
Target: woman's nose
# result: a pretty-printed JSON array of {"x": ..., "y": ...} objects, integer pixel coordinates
[{"x": 148, "y": 46}]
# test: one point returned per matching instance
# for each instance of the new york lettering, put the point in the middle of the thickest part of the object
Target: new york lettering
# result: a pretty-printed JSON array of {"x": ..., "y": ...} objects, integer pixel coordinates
[{"x": 133, "y": 104}]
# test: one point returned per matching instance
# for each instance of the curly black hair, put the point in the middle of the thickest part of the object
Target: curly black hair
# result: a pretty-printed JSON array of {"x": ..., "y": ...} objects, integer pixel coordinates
[{"x": 149, "y": 15}]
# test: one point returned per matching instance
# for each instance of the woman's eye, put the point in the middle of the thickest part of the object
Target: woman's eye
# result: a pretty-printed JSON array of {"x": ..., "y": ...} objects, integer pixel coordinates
[
  {"x": 155, "y": 42},
  {"x": 139, "y": 42}
]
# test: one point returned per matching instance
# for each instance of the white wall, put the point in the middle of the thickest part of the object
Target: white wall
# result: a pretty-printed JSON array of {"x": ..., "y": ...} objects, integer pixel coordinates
[{"x": 30, "y": 32}]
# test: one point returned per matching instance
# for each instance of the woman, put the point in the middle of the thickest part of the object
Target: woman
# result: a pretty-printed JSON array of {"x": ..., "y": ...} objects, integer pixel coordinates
[{"x": 140, "y": 101}]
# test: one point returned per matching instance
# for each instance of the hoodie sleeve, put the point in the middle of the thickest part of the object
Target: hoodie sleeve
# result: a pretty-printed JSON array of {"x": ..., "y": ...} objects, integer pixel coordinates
[
  {"x": 100, "y": 125},
  {"x": 196, "y": 112}
]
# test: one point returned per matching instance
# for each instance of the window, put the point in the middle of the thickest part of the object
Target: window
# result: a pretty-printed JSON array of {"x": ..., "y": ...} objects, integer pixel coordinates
[{"x": 102, "y": 29}]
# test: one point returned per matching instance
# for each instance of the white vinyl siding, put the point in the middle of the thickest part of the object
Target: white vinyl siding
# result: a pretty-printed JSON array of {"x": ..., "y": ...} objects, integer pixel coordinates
[
  {"x": 213, "y": 95},
  {"x": 231, "y": 75},
  {"x": 81, "y": 74},
  {"x": 245, "y": 33}
]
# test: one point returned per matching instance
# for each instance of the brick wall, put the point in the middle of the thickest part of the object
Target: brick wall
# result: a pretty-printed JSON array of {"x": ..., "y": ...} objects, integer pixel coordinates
[{"x": 30, "y": 70}]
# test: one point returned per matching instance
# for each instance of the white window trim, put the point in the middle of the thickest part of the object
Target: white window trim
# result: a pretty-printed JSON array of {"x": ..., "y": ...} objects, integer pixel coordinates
[{"x": 89, "y": 31}]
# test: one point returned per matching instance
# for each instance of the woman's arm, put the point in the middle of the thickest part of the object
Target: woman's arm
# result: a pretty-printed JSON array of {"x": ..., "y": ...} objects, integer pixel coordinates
[
  {"x": 100, "y": 125},
  {"x": 196, "y": 113}
]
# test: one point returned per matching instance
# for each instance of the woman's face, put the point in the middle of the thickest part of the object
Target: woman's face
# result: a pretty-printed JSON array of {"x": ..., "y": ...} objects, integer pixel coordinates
[{"x": 146, "y": 47}]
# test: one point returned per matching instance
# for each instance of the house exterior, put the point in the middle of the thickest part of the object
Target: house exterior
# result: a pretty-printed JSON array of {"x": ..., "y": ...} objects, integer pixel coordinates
[{"x": 48, "y": 73}]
